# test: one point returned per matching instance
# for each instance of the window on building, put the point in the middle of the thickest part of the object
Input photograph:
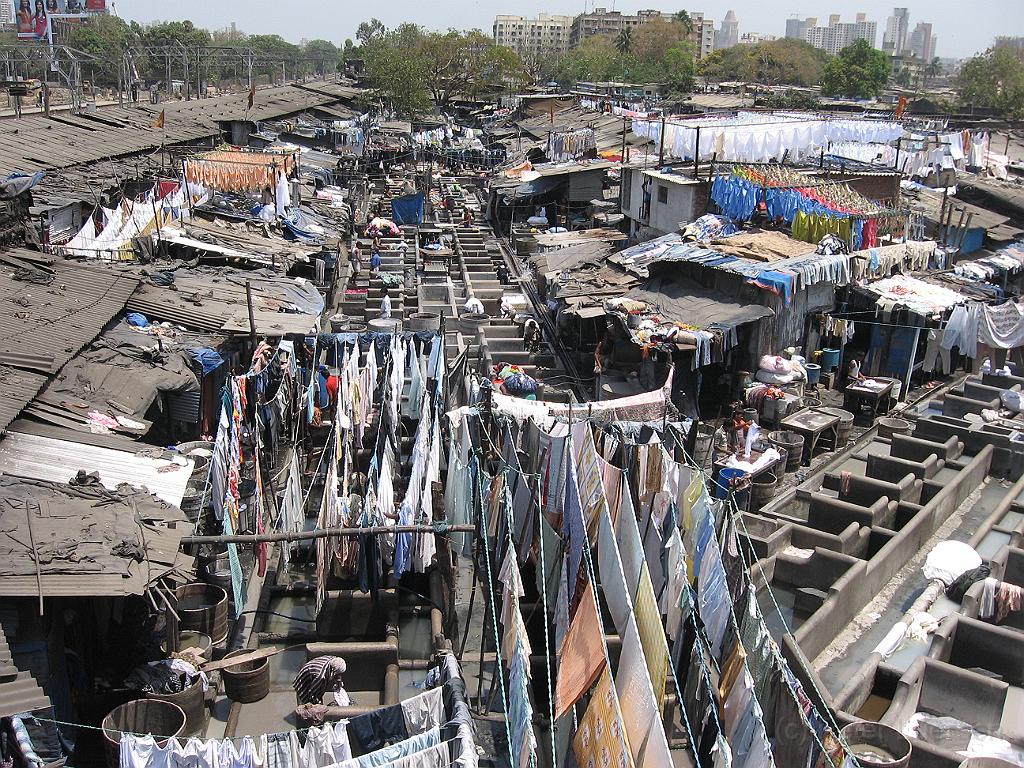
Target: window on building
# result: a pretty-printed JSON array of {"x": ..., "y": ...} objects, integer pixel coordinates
[{"x": 662, "y": 194}]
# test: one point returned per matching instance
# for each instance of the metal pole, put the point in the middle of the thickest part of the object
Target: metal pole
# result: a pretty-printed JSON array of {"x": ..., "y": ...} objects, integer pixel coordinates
[
  {"x": 910, "y": 364},
  {"x": 696, "y": 155},
  {"x": 661, "y": 146},
  {"x": 252, "y": 317},
  {"x": 188, "y": 192},
  {"x": 323, "y": 533},
  {"x": 899, "y": 143}
]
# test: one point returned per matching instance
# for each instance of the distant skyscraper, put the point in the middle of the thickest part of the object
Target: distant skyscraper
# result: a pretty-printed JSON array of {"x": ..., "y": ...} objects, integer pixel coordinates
[
  {"x": 922, "y": 44},
  {"x": 6, "y": 11},
  {"x": 533, "y": 38},
  {"x": 796, "y": 29},
  {"x": 894, "y": 41},
  {"x": 838, "y": 35},
  {"x": 729, "y": 34}
]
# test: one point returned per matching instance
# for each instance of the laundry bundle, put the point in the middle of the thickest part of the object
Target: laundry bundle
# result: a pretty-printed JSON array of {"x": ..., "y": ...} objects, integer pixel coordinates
[{"x": 773, "y": 369}]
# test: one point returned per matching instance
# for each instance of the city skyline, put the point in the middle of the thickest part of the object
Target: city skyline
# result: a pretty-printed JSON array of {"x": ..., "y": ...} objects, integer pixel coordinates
[{"x": 306, "y": 19}]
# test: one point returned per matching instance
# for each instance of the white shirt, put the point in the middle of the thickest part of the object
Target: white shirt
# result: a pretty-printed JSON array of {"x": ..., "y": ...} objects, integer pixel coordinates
[
  {"x": 473, "y": 304},
  {"x": 385, "y": 306}
]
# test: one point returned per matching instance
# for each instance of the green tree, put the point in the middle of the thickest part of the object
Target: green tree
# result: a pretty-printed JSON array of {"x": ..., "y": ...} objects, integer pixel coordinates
[
  {"x": 859, "y": 71},
  {"x": 995, "y": 80},
  {"x": 624, "y": 42},
  {"x": 684, "y": 19},
  {"x": 776, "y": 62},
  {"x": 324, "y": 55},
  {"x": 903, "y": 77},
  {"x": 106, "y": 37},
  {"x": 933, "y": 70},
  {"x": 368, "y": 30}
]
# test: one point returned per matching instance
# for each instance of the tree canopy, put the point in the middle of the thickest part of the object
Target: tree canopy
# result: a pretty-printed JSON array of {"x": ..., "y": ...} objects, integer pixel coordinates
[
  {"x": 859, "y": 71},
  {"x": 656, "y": 51},
  {"x": 409, "y": 67},
  {"x": 994, "y": 79},
  {"x": 776, "y": 62}
]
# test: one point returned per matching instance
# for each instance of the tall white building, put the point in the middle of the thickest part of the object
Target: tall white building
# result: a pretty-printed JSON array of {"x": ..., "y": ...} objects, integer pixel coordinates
[
  {"x": 838, "y": 35},
  {"x": 894, "y": 39},
  {"x": 703, "y": 34},
  {"x": 548, "y": 34},
  {"x": 6, "y": 12}
]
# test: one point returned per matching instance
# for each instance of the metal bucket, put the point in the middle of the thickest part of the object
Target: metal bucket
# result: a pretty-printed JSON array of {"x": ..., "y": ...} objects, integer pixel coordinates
[
  {"x": 424, "y": 321},
  {"x": 246, "y": 682},
  {"x": 762, "y": 490},
  {"x": 192, "y": 701},
  {"x": 887, "y": 427},
  {"x": 162, "y": 719},
  {"x": 845, "y": 425},
  {"x": 877, "y": 746},
  {"x": 384, "y": 325},
  {"x": 470, "y": 323},
  {"x": 203, "y": 608},
  {"x": 793, "y": 442},
  {"x": 215, "y": 566}
]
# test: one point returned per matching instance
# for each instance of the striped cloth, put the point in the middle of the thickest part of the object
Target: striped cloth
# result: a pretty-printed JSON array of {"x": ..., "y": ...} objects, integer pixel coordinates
[{"x": 317, "y": 677}]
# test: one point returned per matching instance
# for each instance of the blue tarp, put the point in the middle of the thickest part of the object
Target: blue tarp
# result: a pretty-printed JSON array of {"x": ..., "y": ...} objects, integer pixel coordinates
[
  {"x": 208, "y": 358},
  {"x": 408, "y": 209}
]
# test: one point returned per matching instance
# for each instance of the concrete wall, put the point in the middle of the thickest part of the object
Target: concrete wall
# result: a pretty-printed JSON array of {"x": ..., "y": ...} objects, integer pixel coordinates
[{"x": 863, "y": 581}]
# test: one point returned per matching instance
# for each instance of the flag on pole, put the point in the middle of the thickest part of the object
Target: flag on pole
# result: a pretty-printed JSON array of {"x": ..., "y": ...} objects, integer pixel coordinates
[{"x": 159, "y": 122}]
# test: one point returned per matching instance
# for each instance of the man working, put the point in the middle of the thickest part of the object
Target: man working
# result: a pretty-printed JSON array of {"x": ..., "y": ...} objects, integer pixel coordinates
[
  {"x": 385, "y": 306},
  {"x": 375, "y": 262}
]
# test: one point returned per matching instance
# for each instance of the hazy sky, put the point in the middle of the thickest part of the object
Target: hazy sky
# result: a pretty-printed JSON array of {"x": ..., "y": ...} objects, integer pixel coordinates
[{"x": 962, "y": 28}]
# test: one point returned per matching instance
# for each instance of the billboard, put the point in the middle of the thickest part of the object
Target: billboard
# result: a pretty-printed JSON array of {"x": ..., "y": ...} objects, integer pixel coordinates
[{"x": 33, "y": 17}]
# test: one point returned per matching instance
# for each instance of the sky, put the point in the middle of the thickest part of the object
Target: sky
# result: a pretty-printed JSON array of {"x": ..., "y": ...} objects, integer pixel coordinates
[{"x": 959, "y": 36}]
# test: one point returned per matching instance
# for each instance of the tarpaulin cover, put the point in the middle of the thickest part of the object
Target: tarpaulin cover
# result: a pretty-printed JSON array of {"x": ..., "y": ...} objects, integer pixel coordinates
[
  {"x": 408, "y": 209},
  {"x": 208, "y": 358},
  {"x": 17, "y": 183}
]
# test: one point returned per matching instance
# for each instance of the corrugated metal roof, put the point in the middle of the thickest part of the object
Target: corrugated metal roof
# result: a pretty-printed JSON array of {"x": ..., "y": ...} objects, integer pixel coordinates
[
  {"x": 19, "y": 691},
  {"x": 87, "y": 539},
  {"x": 56, "y": 461},
  {"x": 45, "y": 324},
  {"x": 19, "y": 387}
]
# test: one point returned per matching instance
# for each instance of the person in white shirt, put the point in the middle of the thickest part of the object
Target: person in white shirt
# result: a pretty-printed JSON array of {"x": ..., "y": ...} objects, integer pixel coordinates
[
  {"x": 474, "y": 305},
  {"x": 385, "y": 306}
]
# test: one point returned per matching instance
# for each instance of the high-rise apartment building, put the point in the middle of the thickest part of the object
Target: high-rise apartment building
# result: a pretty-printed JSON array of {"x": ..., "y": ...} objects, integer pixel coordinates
[
  {"x": 532, "y": 39},
  {"x": 729, "y": 33},
  {"x": 6, "y": 12},
  {"x": 601, "y": 21},
  {"x": 922, "y": 44},
  {"x": 894, "y": 39},
  {"x": 838, "y": 35},
  {"x": 796, "y": 29},
  {"x": 703, "y": 34}
]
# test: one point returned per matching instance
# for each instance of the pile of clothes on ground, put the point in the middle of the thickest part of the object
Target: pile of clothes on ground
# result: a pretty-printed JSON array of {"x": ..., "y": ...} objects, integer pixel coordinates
[
  {"x": 513, "y": 380},
  {"x": 379, "y": 226},
  {"x": 773, "y": 369}
]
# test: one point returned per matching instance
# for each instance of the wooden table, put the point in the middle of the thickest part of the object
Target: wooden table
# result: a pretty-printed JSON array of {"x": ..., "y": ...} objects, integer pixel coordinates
[
  {"x": 874, "y": 392},
  {"x": 812, "y": 424}
]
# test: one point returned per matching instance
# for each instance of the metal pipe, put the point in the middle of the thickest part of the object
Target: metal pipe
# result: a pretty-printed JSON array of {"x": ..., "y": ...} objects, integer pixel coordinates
[{"x": 323, "y": 533}]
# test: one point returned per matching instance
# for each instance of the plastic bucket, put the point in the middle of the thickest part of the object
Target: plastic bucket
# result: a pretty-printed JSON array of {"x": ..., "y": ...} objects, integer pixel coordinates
[
  {"x": 877, "y": 746},
  {"x": 729, "y": 479},
  {"x": 829, "y": 359},
  {"x": 813, "y": 374},
  {"x": 162, "y": 719}
]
